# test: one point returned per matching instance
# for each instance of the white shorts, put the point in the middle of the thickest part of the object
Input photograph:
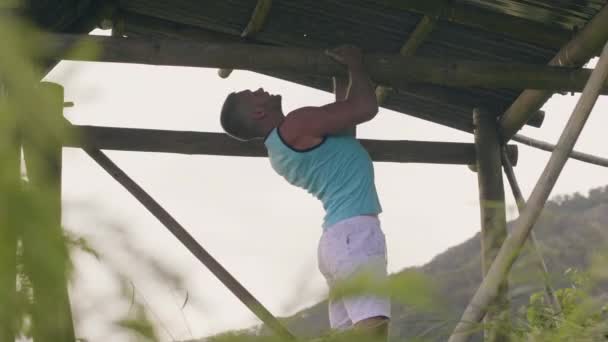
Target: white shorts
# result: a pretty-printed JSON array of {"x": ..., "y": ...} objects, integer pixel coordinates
[{"x": 346, "y": 249}]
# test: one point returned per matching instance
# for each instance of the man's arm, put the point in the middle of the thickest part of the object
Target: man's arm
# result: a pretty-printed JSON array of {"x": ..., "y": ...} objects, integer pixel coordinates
[
  {"x": 341, "y": 85},
  {"x": 359, "y": 106}
]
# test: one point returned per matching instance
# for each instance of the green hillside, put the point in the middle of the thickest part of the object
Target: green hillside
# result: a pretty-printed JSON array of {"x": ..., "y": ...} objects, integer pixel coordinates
[{"x": 571, "y": 230}]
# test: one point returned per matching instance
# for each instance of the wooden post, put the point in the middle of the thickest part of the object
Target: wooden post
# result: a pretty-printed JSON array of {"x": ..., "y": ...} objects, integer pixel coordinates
[
  {"x": 490, "y": 287},
  {"x": 493, "y": 215},
  {"x": 578, "y": 51},
  {"x": 46, "y": 256},
  {"x": 10, "y": 156},
  {"x": 386, "y": 69}
]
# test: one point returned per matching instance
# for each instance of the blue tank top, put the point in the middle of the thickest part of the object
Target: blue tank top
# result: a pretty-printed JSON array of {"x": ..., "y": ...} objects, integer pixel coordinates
[{"x": 338, "y": 171}]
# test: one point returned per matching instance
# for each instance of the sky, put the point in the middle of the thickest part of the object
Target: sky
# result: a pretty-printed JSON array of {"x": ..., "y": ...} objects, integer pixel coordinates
[{"x": 264, "y": 231}]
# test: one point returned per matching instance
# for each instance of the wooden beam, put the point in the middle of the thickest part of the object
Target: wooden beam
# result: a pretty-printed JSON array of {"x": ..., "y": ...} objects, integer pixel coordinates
[
  {"x": 258, "y": 18},
  {"x": 493, "y": 216},
  {"x": 190, "y": 243},
  {"x": 490, "y": 286},
  {"x": 550, "y": 36},
  {"x": 422, "y": 31},
  {"x": 219, "y": 144},
  {"x": 10, "y": 154},
  {"x": 585, "y": 45},
  {"x": 46, "y": 256},
  {"x": 143, "y": 26},
  {"x": 390, "y": 70},
  {"x": 584, "y": 157}
]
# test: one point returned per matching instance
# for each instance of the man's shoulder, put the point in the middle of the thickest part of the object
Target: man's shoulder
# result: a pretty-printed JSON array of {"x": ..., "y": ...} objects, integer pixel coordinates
[{"x": 290, "y": 133}]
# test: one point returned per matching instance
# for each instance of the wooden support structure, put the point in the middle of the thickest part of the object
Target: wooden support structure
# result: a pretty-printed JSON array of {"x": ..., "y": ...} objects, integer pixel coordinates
[
  {"x": 258, "y": 18},
  {"x": 584, "y": 157},
  {"x": 422, "y": 31},
  {"x": 219, "y": 144},
  {"x": 490, "y": 286},
  {"x": 493, "y": 215},
  {"x": 585, "y": 45},
  {"x": 189, "y": 242},
  {"x": 385, "y": 69},
  {"x": 46, "y": 257},
  {"x": 10, "y": 156},
  {"x": 486, "y": 20},
  {"x": 142, "y": 26},
  {"x": 521, "y": 203}
]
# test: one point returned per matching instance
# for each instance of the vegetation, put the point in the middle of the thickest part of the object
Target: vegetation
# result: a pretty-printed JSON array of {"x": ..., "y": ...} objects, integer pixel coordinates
[{"x": 36, "y": 266}]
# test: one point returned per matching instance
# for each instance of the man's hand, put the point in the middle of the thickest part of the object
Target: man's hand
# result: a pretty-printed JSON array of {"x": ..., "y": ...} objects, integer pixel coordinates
[
  {"x": 317, "y": 122},
  {"x": 348, "y": 55}
]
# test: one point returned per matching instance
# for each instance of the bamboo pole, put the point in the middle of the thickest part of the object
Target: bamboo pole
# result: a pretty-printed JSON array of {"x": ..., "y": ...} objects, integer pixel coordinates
[
  {"x": 219, "y": 144},
  {"x": 473, "y": 16},
  {"x": 142, "y": 26},
  {"x": 390, "y": 70},
  {"x": 521, "y": 204},
  {"x": 258, "y": 18},
  {"x": 46, "y": 256},
  {"x": 189, "y": 242},
  {"x": 509, "y": 251},
  {"x": 422, "y": 31},
  {"x": 578, "y": 51},
  {"x": 493, "y": 216},
  {"x": 10, "y": 161},
  {"x": 584, "y": 157}
]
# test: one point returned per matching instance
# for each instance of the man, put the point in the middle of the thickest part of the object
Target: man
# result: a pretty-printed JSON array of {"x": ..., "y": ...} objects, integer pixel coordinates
[{"x": 309, "y": 149}]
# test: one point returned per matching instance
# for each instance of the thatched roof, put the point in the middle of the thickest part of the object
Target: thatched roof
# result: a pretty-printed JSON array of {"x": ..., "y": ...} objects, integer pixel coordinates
[{"x": 487, "y": 30}]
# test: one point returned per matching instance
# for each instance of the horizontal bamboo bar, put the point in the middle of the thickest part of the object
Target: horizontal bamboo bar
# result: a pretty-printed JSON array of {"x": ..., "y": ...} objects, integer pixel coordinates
[
  {"x": 391, "y": 70},
  {"x": 141, "y": 26},
  {"x": 545, "y": 146},
  {"x": 219, "y": 144}
]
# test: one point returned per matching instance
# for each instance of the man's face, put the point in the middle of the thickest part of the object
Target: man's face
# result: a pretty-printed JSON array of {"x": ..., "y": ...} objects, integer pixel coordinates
[{"x": 259, "y": 101}]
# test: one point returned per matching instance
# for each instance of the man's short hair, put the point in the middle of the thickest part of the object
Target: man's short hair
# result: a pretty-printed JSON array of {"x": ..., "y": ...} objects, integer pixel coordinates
[{"x": 235, "y": 120}]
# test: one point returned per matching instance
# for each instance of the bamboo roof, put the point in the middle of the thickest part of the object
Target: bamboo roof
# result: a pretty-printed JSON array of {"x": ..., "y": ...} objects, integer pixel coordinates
[{"x": 520, "y": 31}]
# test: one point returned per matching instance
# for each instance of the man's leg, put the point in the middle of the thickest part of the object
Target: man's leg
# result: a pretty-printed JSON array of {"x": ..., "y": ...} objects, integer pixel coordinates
[
  {"x": 366, "y": 264},
  {"x": 352, "y": 250}
]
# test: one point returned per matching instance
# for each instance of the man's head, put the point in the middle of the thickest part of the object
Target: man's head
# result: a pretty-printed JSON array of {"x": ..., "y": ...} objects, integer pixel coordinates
[{"x": 250, "y": 114}]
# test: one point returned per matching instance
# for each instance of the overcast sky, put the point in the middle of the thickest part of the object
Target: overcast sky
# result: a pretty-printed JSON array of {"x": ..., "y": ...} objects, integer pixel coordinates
[{"x": 264, "y": 231}]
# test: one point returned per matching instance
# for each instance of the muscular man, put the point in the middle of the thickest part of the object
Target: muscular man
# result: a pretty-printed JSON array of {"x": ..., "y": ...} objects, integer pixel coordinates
[{"x": 310, "y": 149}]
